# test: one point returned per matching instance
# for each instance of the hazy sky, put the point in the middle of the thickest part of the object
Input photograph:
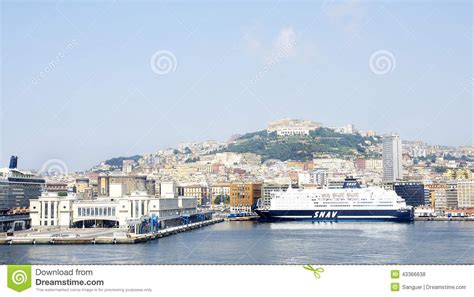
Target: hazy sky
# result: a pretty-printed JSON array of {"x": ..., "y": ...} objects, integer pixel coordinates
[{"x": 81, "y": 82}]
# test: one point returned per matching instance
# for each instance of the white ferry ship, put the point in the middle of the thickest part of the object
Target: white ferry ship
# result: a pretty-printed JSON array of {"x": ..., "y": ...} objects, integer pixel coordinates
[{"x": 349, "y": 203}]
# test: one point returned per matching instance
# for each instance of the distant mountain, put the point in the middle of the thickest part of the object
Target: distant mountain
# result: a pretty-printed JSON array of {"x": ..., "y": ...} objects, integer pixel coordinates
[
  {"x": 118, "y": 162},
  {"x": 322, "y": 141}
]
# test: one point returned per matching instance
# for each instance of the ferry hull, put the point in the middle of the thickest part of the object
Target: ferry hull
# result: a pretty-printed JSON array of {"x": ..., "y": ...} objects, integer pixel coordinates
[{"x": 405, "y": 215}]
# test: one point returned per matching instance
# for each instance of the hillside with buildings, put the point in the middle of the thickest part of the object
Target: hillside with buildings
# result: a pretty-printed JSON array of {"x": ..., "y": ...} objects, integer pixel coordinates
[
  {"x": 283, "y": 140},
  {"x": 304, "y": 146}
]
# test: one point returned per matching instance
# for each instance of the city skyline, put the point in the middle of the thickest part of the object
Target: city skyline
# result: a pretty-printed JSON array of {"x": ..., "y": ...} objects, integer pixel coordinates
[
  {"x": 93, "y": 90},
  {"x": 63, "y": 166}
]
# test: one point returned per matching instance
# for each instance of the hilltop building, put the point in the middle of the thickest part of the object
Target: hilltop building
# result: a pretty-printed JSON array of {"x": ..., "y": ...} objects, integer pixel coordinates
[
  {"x": 347, "y": 129},
  {"x": 288, "y": 127}
]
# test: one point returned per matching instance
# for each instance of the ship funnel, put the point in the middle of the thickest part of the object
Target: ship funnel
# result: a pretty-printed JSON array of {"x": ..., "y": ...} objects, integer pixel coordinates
[
  {"x": 13, "y": 162},
  {"x": 351, "y": 183}
]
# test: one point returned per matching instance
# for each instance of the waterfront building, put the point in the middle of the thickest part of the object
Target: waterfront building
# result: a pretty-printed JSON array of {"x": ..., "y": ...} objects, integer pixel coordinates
[
  {"x": 124, "y": 210},
  {"x": 52, "y": 209},
  {"x": 244, "y": 195},
  {"x": 439, "y": 198},
  {"x": 465, "y": 193},
  {"x": 288, "y": 127},
  {"x": 437, "y": 195},
  {"x": 220, "y": 191},
  {"x": 392, "y": 158},
  {"x": 427, "y": 195},
  {"x": 452, "y": 195},
  {"x": 412, "y": 192},
  {"x": 443, "y": 195}
]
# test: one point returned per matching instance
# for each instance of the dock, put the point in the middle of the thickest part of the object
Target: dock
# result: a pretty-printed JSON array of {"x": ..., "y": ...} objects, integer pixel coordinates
[
  {"x": 105, "y": 239},
  {"x": 246, "y": 218},
  {"x": 458, "y": 219}
]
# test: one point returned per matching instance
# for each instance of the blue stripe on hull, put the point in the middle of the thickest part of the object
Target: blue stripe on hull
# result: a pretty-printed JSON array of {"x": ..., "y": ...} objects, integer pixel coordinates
[{"x": 336, "y": 215}]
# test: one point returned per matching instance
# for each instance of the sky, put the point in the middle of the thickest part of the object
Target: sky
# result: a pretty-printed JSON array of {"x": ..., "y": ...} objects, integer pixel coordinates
[{"x": 83, "y": 82}]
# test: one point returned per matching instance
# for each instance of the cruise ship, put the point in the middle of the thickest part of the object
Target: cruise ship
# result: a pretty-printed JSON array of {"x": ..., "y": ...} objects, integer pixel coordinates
[
  {"x": 349, "y": 203},
  {"x": 16, "y": 189}
]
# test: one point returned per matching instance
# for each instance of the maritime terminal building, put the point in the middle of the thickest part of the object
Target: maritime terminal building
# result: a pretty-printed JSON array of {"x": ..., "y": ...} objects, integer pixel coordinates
[{"x": 119, "y": 209}]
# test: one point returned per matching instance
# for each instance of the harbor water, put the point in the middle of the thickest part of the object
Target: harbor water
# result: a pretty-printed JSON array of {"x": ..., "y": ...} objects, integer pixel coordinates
[{"x": 250, "y": 242}]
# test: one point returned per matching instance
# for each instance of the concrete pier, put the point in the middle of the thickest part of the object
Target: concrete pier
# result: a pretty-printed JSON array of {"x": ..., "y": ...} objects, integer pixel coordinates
[{"x": 104, "y": 239}]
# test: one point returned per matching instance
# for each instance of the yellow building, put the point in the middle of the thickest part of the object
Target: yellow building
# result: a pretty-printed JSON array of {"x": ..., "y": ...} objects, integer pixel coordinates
[
  {"x": 207, "y": 168},
  {"x": 438, "y": 195},
  {"x": 197, "y": 191},
  {"x": 458, "y": 174},
  {"x": 465, "y": 194},
  {"x": 81, "y": 184},
  {"x": 244, "y": 195}
]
